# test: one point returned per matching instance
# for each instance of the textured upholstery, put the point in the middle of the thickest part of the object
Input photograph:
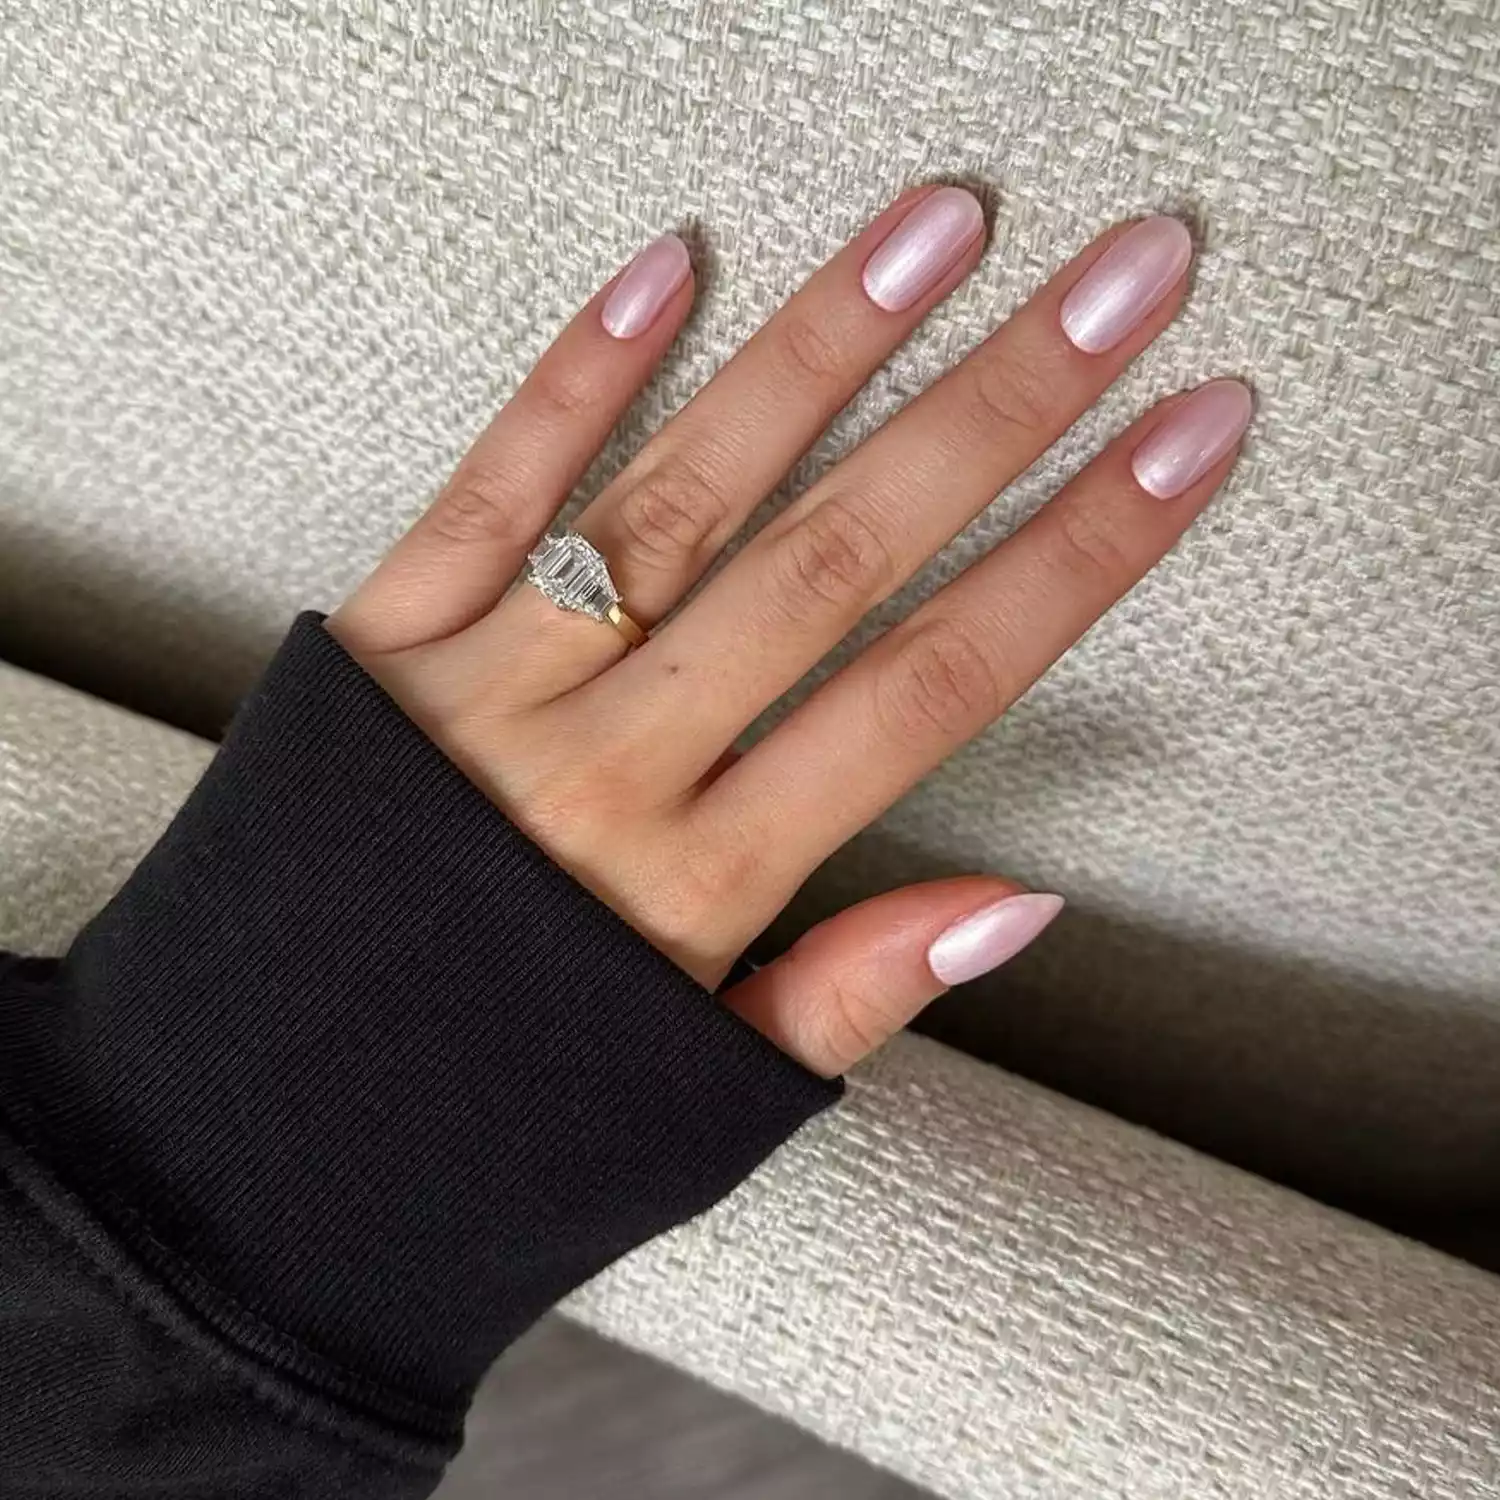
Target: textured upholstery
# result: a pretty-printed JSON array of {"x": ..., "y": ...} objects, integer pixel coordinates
[
  {"x": 990, "y": 1289},
  {"x": 265, "y": 268}
]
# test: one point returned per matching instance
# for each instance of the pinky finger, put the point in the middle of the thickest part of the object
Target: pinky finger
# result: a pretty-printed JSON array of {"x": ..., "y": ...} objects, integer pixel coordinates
[{"x": 852, "y": 982}]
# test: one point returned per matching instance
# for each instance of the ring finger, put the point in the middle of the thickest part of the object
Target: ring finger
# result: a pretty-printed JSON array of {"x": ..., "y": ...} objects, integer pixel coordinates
[{"x": 452, "y": 567}]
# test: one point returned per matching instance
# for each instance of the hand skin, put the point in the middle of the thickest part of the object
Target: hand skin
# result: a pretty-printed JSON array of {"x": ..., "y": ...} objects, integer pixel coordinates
[{"x": 620, "y": 763}]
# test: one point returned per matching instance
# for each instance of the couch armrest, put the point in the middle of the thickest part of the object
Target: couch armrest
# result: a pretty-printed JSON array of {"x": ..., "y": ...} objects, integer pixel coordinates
[
  {"x": 999, "y": 1292},
  {"x": 988, "y": 1288}
]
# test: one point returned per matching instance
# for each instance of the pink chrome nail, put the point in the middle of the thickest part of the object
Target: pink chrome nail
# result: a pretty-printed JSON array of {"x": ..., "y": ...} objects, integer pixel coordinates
[
  {"x": 925, "y": 244},
  {"x": 646, "y": 287},
  {"x": 1125, "y": 283},
  {"x": 1193, "y": 439},
  {"x": 985, "y": 939}
]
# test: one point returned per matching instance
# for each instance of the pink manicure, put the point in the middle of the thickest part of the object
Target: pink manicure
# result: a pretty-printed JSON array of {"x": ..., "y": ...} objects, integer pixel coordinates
[
  {"x": 1125, "y": 283},
  {"x": 984, "y": 940},
  {"x": 646, "y": 287},
  {"x": 1193, "y": 439},
  {"x": 922, "y": 247}
]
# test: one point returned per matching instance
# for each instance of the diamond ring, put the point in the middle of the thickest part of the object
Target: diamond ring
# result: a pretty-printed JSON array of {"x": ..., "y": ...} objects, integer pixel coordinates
[{"x": 573, "y": 574}]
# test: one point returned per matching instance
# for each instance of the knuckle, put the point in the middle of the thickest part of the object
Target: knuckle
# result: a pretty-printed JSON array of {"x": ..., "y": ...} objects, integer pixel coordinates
[
  {"x": 1007, "y": 395},
  {"x": 808, "y": 350},
  {"x": 944, "y": 683},
  {"x": 850, "y": 1026},
  {"x": 480, "y": 504},
  {"x": 670, "y": 515},
  {"x": 835, "y": 555},
  {"x": 564, "y": 391},
  {"x": 1088, "y": 548}
]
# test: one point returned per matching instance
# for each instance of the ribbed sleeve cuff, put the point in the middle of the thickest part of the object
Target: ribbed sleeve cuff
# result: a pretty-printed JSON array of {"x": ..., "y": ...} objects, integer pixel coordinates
[{"x": 362, "y": 1072}]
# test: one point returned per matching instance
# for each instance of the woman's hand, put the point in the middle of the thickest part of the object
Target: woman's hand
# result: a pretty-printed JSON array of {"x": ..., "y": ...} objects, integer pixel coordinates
[{"x": 620, "y": 763}]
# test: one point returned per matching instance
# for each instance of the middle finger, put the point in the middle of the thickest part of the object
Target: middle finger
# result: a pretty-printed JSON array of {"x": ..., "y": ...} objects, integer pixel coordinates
[{"x": 665, "y": 518}]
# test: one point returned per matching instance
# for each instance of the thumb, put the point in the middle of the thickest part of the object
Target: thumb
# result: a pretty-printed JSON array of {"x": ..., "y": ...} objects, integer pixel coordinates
[{"x": 850, "y": 983}]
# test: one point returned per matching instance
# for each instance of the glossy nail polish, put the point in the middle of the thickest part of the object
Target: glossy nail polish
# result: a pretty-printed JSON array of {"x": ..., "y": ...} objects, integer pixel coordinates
[
  {"x": 1116, "y": 293},
  {"x": 922, "y": 248},
  {"x": 646, "y": 287},
  {"x": 1183, "y": 448},
  {"x": 985, "y": 939}
]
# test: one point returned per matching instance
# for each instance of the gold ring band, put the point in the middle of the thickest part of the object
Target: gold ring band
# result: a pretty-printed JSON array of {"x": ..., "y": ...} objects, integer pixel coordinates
[{"x": 634, "y": 635}]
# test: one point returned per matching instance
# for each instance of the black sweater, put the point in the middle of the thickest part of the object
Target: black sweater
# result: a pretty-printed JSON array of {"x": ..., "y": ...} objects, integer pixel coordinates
[{"x": 344, "y": 1088}]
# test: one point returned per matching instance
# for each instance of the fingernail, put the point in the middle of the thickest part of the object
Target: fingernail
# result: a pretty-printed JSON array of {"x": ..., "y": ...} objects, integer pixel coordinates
[
  {"x": 922, "y": 247},
  {"x": 1193, "y": 439},
  {"x": 984, "y": 940},
  {"x": 1125, "y": 283},
  {"x": 646, "y": 287}
]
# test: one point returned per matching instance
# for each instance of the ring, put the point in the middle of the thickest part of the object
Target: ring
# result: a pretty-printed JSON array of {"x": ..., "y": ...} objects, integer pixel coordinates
[{"x": 571, "y": 571}]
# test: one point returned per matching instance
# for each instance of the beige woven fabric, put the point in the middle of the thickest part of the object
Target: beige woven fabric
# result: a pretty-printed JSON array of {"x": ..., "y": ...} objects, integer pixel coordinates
[
  {"x": 266, "y": 267},
  {"x": 992, "y": 1290}
]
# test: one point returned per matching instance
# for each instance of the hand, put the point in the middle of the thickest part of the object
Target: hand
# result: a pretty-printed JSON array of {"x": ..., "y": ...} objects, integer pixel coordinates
[{"x": 620, "y": 763}]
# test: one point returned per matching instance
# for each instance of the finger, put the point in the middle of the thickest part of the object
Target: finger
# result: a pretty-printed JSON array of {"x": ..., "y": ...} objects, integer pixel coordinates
[
  {"x": 667, "y": 516},
  {"x": 939, "y": 677},
  {"x": 793, "y": 593},
  {"x": 461, "y": 555},
  {"x": 664, "y": 519},
  {"x": 852, "y": 982}
]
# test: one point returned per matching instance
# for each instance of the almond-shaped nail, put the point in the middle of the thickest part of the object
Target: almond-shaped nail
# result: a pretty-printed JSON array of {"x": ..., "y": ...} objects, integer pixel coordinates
[
  {"x": 646, "y": 287},
  {"x": 986, "y": 938},
  {"x": 1117, "y": 292},
  {"x": 1182, "y": 449},
  {"x": 922, "y": 248}
]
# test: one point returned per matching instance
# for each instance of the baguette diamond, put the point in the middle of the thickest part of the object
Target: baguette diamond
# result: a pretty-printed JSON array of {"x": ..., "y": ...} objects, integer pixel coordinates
[{"x": 571, "y": 572}]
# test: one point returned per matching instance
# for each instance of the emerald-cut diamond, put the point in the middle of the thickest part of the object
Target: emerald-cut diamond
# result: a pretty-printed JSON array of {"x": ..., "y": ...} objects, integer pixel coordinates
[{"x": 572, "y": 574}]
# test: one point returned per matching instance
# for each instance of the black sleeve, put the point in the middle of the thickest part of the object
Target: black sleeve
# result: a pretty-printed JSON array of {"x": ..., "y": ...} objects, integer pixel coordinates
[{"x": 343, "y": 1089}]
